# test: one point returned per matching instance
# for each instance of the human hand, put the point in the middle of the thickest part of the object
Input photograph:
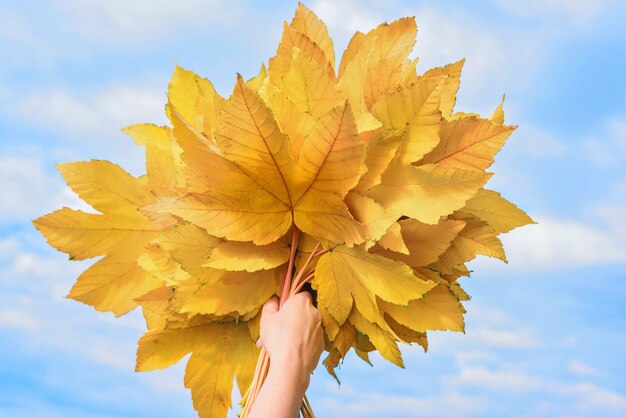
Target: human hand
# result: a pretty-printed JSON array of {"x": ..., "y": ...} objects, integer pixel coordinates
[{"x": 292, "y": 335}]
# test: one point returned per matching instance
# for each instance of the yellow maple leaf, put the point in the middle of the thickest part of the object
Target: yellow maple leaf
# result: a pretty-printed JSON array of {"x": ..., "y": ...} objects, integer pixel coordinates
[{"x": 219, "y": 353}]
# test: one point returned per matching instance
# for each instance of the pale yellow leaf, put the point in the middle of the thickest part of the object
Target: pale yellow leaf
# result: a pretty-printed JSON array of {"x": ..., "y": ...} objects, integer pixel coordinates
[
  {"x": 414, "y": 110},
  {"x": 498, "y": 212},
  {"x": 450, "y": 86},
  {"x": 468, "y": 143},
  {"x": 393, "y": 241},
  {"x": 233, "y": 292},
  {"x": 439, "y": 190},
  {"x": 307, "y": 23},
  {"x": 425, "y": 242},
  {"x": 346, "y": 275},
  {"x": 438, "y": 310},
  {"x": 384, "y": 342},
  {"x": 245, "y": 256}
]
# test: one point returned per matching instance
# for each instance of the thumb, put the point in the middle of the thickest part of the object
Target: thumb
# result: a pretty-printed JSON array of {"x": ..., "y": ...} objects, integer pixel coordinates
[{"x": 259, "y": 344}]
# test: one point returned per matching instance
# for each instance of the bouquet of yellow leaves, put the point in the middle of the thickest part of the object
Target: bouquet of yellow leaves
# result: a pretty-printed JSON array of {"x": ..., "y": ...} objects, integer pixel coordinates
[{"x": 357, "y": 179}]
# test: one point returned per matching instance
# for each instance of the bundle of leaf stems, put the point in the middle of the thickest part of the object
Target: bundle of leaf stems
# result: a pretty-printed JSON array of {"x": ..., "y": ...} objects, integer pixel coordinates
[{"x": 292, "y": 284}]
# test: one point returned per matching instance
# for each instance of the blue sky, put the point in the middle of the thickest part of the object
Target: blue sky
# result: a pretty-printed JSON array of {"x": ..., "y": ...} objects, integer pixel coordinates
[{"x": 545, "y": 333}]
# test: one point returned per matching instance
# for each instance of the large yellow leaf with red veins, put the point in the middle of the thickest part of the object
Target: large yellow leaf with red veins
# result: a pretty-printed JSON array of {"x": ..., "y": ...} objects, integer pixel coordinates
[
  {"x": 219, "y": 354},
  {"x": 366, "y": 183},
  {"x": 249, "y": 137}
]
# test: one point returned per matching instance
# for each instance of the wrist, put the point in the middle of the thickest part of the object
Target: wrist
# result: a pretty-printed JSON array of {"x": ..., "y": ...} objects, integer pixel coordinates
[{"x": 291, "y": 369}]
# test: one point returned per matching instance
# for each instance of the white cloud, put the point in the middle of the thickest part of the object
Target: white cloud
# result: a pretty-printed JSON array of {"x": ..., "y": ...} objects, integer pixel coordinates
[
  {"x": 580, "y": 368},
  {"x": 609, "y": 146},
  {"x": 590, "y": 396},
  {"x": 19, "y": 319},
  {"x": 555, "y": 243},
  {"x": 122, "y": 21},
  {"x": 520, "y": 339},
  {"x": 505, "y": 381},
  {"x": 28, "y": 190},
  {"x": 499, "y": 59},
  {"x": 580, "y": 396},
  {"x": 95, "y": 115},
  {"x": 375, "y": 404},
  {"x": 579, "y": 12},
  {"x": 92, "y": 121},
  {"x": 535, "y": 142},
  {"x": 346, "y": 17}
]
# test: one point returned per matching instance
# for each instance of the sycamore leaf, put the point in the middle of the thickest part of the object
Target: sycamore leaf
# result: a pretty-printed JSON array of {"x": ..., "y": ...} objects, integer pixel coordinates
[
  {"x": 220, "y": 352},
  {"x": 438, "y": 310},
  {"x": 498, "y": 114},
  {"x": 469, "y": 143},
  {"x": 370, "y": 213},
  {"x": 159, "y": 264},
  {"x": 387, "y": 56},
  {"x": 188, "y": 245},
  {"x": 414, "y": 110},
  {"x": 310, "y": 87},
  {"x": 105, "y": 186},
  {"x": 195, "y": 99},
  {"x": 384, "y": 341},
  {"x": 245, "y": 256},
  {"x": 164, "y": 165},
  {"x": 112, "y": 284},
  {"x": 439, "y": 190},
  {"x": 346, "y": 276},
  {"x": 223, "y": 295},
  {"x": 307, "y": 23},
  {"x": 452, "y": 73},
  {"x": 406, "y": 334},
  {"x": 477, "y": 237},
  {"x": 393, "y": 241},
  {"x": 458, "y": 291},
  {"x": 425, "y": 242},
  {"x": 498, "y": 212},
  {"x": 119, "y": 233},
  {"x": 244, "y": 212},
  {"x": 249, "y": 137},
  {"x": 380, "y": 152}
]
